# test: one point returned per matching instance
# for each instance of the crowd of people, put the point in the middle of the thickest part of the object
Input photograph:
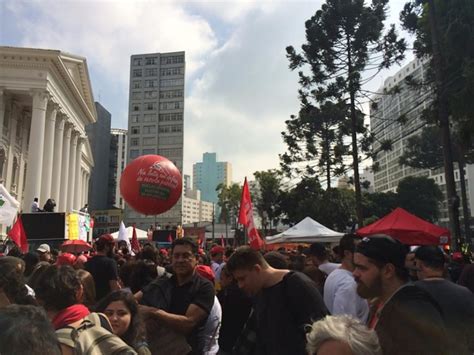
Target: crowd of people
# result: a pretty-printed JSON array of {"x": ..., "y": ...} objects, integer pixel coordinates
[{"x": 362, "y": 297}]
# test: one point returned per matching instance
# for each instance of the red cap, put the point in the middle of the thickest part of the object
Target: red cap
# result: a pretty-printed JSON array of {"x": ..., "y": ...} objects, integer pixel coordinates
[
  {"x": 65, "y": 259},
  {"x": 217, "y": 250},
  {"x": 206, "y": 272}
]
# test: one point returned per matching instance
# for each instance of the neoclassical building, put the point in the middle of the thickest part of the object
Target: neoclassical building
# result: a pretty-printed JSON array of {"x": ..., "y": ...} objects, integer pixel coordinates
[{"x": 45, "y": 103}]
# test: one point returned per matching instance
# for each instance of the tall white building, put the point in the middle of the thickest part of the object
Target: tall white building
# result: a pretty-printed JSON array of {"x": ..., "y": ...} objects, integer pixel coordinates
[
  {"x": 196, "y": 210},
  {"x": 45, "y": 103},
  {"x": 118, "y": 156},
  {"x": 383, "y": 119},
  {"x": 155, "y": 126}
]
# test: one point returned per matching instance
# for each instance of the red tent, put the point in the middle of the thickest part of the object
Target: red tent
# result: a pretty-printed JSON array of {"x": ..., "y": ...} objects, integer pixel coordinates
[{"x": 408, "y": 229}]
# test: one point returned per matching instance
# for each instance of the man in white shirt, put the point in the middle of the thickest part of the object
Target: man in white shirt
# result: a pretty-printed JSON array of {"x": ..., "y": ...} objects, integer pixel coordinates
[
  {"x": 319, "y": 256},
  {"x": 35, "y": 206},
  {"x": 340, "y": 288}
]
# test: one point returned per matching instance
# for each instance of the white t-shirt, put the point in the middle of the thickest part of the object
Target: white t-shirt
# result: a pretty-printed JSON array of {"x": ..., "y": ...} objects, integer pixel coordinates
[
  {"x": 217, "y": 268},
  {"x": 340, "y": 296},
  {"x": 209, "y": 335},
  {"x": 328, "y": 267}
]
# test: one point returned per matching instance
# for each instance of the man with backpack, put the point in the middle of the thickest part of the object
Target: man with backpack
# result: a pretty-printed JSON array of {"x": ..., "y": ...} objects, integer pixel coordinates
[
  {"x": 60, "y": 292},
  {"x": 285, "y": 302}
]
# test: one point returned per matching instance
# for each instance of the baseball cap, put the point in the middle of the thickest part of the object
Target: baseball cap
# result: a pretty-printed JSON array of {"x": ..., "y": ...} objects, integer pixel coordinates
[
  {"x": 384, "y": 249},
  {"x": 217, "y": 250},
  {"x": 65, "y": 259},
  {"x": 44, "y": 248},
  {"x": 206, "y": 272}
]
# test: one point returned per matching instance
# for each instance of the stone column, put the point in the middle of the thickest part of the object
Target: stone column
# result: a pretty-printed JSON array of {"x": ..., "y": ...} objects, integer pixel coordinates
[
  {"x": 3, "y": 101},
  {"x": 57, "y": 158},
  {"x": 87, "y": 187},
  {"x": 78, "y": 181},
  {"x": 72, "y": 171},
  {"x": 10, "y": 176},
  {"x": 23, "y": 160},
  {"x": 48, "y": 152},
  {"x": 62, "y": 206},
  {"x": 35, "y": 148}
]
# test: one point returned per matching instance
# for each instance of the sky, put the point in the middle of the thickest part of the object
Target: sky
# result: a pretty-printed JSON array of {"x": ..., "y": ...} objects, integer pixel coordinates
[{"x": 239, "y": 89}]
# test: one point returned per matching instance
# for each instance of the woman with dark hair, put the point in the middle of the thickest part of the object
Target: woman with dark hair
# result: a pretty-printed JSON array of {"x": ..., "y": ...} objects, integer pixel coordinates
[
  {"x": 122, "y": 310},
  {"x": 13, "y": 288},
  {"x": 88, "y": 285}
]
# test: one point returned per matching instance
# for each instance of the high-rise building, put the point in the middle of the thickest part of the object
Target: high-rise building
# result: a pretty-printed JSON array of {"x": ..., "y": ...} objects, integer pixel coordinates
[
  {"x": 117, "y": 160},
  {"x": 409, "y": 104},
  {"x": 187, "y": 183},
  {"x": 155, "y": 125},
  {"x": 195, "y": 210},
  {"x": 208, "y": 174},
  {"x": 99, "y": 138}
]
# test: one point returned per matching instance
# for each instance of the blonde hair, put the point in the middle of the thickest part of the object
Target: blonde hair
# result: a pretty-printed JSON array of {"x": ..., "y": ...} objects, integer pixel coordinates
[{"x": 361, "y": 340}]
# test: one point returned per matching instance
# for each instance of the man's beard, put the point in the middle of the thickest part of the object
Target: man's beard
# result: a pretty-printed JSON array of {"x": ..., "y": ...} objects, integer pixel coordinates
[{"x": 370, "y": 291}]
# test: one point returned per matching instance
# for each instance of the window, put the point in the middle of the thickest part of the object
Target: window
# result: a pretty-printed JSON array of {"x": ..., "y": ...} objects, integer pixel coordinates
[
  {"x": 149, "y": 129},
  {"x": 135, "y": 129},
  {"x": 172, "y": 128},
  {"x": 148, "y": 151},
  {"x": 176, "y": 128},
  {"x": 134, "y": 153},
  {"x": 150, "y": 106},
  {"x": 134, "y": 142},
  {"x": 151, "y": 83},
  {"x": 137, "y": 61},
  {"x": 171, "y": 82},
  {"x": 135, "y": 107},
  {"x": 172, "y": 71},
  {"x": 149, "y": 141},
  {"x": 171, "y": 140},
  {"x": 151, "y": 72},
  {"x": 151, "y": 94},
  {"x": 170, "y": 152},
  {"x": 149, "y": 117},
  {"x": 174, "y": 105},
  {"x": 137, "y": 84},
  {"x": 136, "y": 95},
  {"x": 151, "y": 60},
  {"x": 170, "y": 94},
  {"x": 165, "y": 117},
  {"x": 134, "y": 118},
  {"x": 137, "y": 73},
  {"x": 175, "y": 59}
]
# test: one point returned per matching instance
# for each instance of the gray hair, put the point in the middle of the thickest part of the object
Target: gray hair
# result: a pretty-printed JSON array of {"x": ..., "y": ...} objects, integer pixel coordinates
[{"x": 361, "y": 340}]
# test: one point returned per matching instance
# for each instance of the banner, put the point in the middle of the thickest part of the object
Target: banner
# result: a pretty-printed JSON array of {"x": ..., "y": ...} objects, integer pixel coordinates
[
  {"x": 72, "y": 226},
  {"x": 8, "y": 207},
  {"x": 246, "y": 218}
]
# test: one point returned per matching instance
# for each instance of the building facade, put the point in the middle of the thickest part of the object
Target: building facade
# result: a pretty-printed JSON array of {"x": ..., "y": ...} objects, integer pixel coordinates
[
  {"x": 45, "y": 103},
  {"x": 117, "y": 163},
  {"x": 99, "y": 139},
  {"x": 208, "y": 174},
  {"x": 196, "y": 210},
  {"x": 106, "y": 221},
  {"x": 155, "y": 126},
  {"x": 409, "y": 104}
]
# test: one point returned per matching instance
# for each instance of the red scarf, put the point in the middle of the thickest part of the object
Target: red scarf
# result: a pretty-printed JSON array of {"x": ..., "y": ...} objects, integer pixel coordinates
[{"x": 70, "y": 315}]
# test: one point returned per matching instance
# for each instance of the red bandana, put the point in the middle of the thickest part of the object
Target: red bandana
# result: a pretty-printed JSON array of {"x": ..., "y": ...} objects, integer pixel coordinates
[{"x": 70, "y": 315}]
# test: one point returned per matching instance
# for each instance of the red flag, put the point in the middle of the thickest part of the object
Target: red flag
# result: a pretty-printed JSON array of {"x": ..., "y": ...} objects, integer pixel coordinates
[
  {"x": 18, "y": 235},
  {"x": 246, "y": 218},
  {"x": 170, "y": 238},
  {"x": 135, "y": 245},
  {"x": 222, "y": 241}
]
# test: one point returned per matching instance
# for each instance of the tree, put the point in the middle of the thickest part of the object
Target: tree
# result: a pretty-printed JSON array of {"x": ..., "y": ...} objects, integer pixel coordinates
[
  {"x": 444, "y": 33},
  {"x": 336, "y": 208},
  {"x": 229, "y": 202},
  {"x": 346, "y": 40},
  {"x": 420, "y": 196},
  {"x": 267, "y": 199},
  {"x": 378, "y": 204}
]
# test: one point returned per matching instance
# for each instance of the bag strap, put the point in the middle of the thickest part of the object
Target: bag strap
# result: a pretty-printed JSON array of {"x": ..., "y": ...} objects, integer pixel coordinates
[{"x": 64, "y": 336}]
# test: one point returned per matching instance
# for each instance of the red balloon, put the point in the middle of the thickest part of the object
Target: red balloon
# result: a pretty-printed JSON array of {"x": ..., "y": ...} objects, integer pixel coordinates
[{"x": 151, "y": 184}]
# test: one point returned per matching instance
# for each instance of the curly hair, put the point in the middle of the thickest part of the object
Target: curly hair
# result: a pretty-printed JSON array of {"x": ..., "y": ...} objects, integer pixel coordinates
[
  {"x": 135, "y": 333},
  {"x": 12, "y": 280},
  {"x": 57, "y": 288}
]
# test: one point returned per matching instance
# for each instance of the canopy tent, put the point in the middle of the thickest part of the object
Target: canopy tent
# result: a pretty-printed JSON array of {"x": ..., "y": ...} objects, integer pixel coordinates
[
  {"x": 408, "y": 229},
  {"x": 141, "y": 234},
  {"x": 306, "y": 231}
]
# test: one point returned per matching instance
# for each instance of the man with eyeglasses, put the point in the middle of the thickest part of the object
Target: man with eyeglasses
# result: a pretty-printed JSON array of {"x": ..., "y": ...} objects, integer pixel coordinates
[
  {"x": 182, "y": 302},
  {"x": 406, "y": 318}
]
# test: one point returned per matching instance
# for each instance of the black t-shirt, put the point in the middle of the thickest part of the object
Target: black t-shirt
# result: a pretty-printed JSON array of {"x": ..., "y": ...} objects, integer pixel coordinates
[
  {"x": 103, "y": 269},
  {"x": 457, "y": 304},
  {"x": 282, "y": 313}
]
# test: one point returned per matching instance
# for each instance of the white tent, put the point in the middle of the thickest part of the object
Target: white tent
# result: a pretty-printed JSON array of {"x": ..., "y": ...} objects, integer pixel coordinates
[
  {"x": 141, "y": 234},
  {"x": 306, "y": 231}
]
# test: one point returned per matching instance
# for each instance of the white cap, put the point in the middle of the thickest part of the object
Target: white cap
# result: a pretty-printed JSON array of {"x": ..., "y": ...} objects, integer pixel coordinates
[{"x": 44, "y": 248}]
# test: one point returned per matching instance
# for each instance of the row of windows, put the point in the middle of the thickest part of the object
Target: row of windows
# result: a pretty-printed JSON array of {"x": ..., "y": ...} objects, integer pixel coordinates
[
  {"x": 151, "y": 117},
  {"x": 152, "y": 94},
  {"x": 138, "y": 84},
  {"x": 138, "y": 73},
  {"x": 170, "y": 117},
  {"x": 172, "y": 152},
  {"x": 145, "y": 130},
  {"x": 170, "y": 129},
  {"x": 151, "y": 106},
  {"x": 173, "y": 59}
]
